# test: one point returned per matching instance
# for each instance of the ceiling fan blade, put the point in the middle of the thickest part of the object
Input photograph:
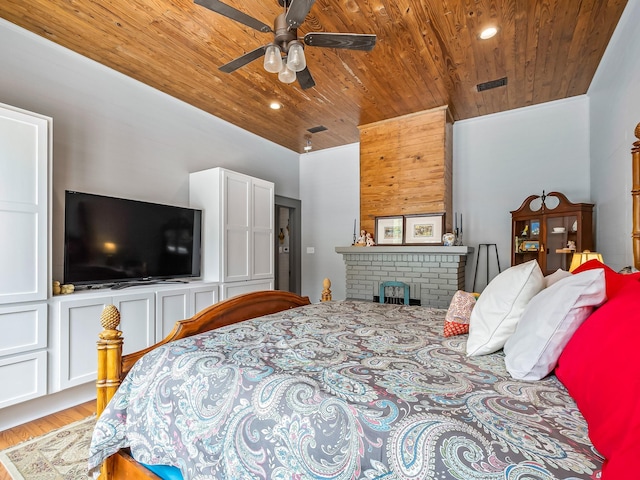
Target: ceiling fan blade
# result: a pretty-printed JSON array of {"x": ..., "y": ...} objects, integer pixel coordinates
[
  {"x": 230, "y": 12},
  {"x": 297, "y": 12},
  {"x": 305, "y": 79},
  {"x": 249, "y": 57},
  {"x": 351, "y": 41}
]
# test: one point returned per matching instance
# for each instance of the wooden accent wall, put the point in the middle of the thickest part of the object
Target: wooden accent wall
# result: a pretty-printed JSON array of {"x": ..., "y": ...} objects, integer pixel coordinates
[{"x": 406, "y": 166}]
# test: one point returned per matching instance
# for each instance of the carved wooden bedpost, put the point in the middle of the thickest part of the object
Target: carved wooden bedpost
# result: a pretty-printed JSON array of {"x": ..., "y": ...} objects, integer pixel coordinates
[
  {"x": 635, "y": 195},
  {"x": 326, "y": 290},
  {"x": 109, "y": 357},
  {"x": 109, "y": 369}
]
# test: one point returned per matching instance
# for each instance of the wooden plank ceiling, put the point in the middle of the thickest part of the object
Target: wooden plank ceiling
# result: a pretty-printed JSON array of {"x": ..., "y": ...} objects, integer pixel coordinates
[{"x": 427, "y": 54}]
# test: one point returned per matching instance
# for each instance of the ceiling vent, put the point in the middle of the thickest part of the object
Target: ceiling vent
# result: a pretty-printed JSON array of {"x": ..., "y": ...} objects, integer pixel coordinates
[
  {"x": 319, "y": 128},
  {"x": 501, "y": 82}
]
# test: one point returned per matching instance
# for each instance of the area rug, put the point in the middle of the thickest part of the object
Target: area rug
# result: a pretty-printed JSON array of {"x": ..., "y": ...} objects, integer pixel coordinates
[{"x": 59, "y": 455}]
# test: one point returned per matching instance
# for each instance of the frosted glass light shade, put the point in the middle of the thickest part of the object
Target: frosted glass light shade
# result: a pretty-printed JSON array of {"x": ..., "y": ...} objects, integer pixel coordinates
[
  {"x": 286, "y": 75},
  {"x": 272, "y": 59},
  {"x": 295, "y": 57}
]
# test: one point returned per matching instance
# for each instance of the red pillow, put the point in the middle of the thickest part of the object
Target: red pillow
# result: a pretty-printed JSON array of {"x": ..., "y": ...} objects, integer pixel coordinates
[
  {"x": 599, "y": 368},
  {"x": 614, "y": 280}
]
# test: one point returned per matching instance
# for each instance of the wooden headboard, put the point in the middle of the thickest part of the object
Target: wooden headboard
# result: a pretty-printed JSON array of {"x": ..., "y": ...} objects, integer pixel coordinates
[{"x": 635, "y": 195}]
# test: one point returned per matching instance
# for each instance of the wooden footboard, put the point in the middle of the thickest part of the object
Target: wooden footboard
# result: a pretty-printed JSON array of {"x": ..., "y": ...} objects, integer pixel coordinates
[{"x": 113, "y": 366}]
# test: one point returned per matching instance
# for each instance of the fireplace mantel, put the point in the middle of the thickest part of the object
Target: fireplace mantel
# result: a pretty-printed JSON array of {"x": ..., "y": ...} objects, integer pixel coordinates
[
  {"x": 434, "y": 273},
  {"x": 435, "y": 250}
]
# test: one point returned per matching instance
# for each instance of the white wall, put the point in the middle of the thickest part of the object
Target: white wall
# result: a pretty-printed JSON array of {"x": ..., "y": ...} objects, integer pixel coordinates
[
  {"x": 615, "y": 111},
  {"x": 330, "y": 194},
  {"x": 501, "y": 159},
  {"x": 116, "y": 136}
]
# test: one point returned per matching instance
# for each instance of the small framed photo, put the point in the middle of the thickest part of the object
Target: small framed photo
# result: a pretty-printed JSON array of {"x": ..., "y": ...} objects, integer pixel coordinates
[
  {"x": 535, "y": 228},
  {"x": 424, "y": 229},
  {"x": 389, "y": 230},
  {"x": 530, "y": 246}
]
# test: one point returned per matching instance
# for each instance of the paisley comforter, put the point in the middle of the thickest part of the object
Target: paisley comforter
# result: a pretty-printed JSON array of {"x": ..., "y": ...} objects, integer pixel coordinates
[{"x": 342, "y": 390}]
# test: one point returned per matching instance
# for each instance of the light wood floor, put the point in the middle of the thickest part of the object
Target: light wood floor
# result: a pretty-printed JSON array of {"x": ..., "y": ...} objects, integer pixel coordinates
[{"x": 43, "y": 425}]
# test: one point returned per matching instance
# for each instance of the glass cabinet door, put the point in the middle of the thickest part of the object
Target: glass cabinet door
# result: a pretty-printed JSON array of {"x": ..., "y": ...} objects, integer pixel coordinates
[{"x": 561, "y": 235}]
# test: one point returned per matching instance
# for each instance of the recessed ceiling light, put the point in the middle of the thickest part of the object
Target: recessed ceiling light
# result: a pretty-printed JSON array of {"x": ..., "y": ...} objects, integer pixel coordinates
[
  {"x": 275, "y": 106},
  {"x": 488, "y": 33}
]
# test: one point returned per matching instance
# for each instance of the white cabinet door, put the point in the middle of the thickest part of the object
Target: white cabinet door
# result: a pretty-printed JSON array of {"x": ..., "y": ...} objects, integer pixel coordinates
[
  {"x": 262, "y": 218},
  {"x": 76, "y": 357},
  {"x": 203, "y": 297},
  {"x": 23, "y": 327},
  {"x": 77, "y": 325},
  {"x": 171, "y": 306},
  {"x": 236, "y": 220},
  {"x": 137, "y": 321},
  {"x": 23, "y": 377},
  {"x": 23, "y": 355},
  {"x": 24, "y": 205},
  {"x": 237, "y": 288}
]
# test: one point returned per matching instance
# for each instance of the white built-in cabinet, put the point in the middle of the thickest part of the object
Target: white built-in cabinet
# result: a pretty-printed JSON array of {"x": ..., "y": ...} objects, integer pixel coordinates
[
  {"x": 25, "y": 169},
  {"x": 147, "y": 315},
  {"x": 238, "y": 229}
]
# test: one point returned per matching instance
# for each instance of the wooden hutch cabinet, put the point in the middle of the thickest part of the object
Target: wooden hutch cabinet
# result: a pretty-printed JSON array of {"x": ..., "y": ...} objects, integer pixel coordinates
[{"x": 549, "y": 228}]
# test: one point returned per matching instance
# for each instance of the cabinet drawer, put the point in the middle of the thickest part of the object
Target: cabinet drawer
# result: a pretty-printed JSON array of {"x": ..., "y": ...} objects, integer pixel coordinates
[
  {"x": 23, "y": 377},
  {"x": 237, "y": 288},
  {"x": 23, "y": 327}
]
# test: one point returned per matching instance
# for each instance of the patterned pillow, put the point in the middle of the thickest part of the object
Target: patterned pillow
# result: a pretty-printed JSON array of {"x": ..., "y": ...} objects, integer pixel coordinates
[{"x": 456, "y": 322}]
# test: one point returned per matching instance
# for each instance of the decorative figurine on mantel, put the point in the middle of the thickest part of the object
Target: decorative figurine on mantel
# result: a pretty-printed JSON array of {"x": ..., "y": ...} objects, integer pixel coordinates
[
  {"x": 362, "y": 239},
  {"x": 369, "y": 241}
]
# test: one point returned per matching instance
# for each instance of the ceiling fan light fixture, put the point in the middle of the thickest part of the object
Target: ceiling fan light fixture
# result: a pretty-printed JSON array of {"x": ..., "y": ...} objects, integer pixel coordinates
[
  {"x": 272, "y": 59},
  {"x": 286, "y": 75},
  {"x": 295, "y": 57}
]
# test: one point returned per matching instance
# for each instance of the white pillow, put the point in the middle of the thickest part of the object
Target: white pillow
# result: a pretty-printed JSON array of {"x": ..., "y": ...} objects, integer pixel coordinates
[
  {"x": 549, "y": 321},
  {"x": 558, "y": 275},
  {"x": 500, "y": 305}
]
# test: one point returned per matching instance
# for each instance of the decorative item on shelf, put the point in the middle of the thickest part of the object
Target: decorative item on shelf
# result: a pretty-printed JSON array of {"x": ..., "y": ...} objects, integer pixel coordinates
[
  {"x": 355, "y": 237},
  {"x": 369, "y": 241},
  {"x": 571, "y": 245},
  {"x": 535, "y": 228},
  {"x": 390, "y": 230},
  {"x": 61, "y": 289},
  {"x": 574, "y": 227},
  {"x": 424, "y": 229},
  {"x": 530, "y": 246},
  {"x": 361, "y": 241},
  {"x": 583, "y": 257},
  {"x": 449, "y": 239},
  {"x": 559, "y": 229},
  {"x": 525, "y": 231},
  {"x": 457, "y": 231}
]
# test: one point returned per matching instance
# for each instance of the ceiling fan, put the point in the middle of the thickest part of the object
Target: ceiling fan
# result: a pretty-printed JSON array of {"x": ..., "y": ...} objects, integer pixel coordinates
[{"x": 285, "y": 54}]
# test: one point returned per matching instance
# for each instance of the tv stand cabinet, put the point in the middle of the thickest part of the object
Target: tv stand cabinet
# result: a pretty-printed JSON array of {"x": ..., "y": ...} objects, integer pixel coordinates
[{"x": 148, "y": 315}]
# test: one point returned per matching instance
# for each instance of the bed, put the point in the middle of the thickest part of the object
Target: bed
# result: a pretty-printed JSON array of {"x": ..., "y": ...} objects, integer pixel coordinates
[{"x": 268, "y": 385}]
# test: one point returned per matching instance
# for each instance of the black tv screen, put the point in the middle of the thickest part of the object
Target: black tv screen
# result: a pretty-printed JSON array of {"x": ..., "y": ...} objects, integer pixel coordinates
[{"x": 111, "y": 240}]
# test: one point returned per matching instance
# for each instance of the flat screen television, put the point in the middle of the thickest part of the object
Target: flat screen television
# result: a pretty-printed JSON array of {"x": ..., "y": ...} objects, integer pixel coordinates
[{"x": 120, "y": 241}]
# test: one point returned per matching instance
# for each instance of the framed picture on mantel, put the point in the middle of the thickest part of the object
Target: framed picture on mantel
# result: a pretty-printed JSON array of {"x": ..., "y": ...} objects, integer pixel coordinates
[
  {"x": 389, "y": 230},
  {"x": 424, "y": 229}
]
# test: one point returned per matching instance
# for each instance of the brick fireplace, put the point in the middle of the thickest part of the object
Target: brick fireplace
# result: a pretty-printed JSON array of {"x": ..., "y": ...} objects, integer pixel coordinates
[{"x": 434, "y": 273}]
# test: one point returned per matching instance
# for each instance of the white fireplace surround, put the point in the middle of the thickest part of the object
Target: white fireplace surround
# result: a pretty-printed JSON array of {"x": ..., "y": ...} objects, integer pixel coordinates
[{"x": 434, "y": 273}]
